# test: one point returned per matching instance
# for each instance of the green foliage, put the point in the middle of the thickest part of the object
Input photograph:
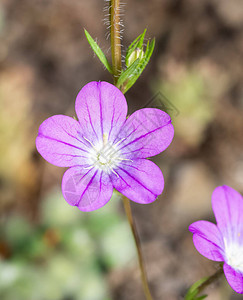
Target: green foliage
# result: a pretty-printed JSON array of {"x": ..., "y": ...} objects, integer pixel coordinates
[
  {"x": 136, "y": 61},
  {"x": 66, "y": 255},
  {"x": 193, "y": 292},
  {"x": 187, "y": 91},
  {"x": 98, "y": 51},
  {"x": 141, "y": 66},
  {"x": 127, "y": 73}
]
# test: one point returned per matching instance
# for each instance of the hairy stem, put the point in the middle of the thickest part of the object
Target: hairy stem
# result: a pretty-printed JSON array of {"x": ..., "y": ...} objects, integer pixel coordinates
[
  {"x": 117, "y": 67},
  {"x": 128, "y": 210},
  {"x": 115, "y": 38}
]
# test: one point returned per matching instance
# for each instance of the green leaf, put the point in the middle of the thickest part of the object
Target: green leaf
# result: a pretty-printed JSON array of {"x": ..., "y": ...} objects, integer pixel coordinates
[
  {"x": 140, "y": 43},
  {"x": 127, "y": 73},
  {"x": 141, "y": 66},
  {"x": 98, "y": 51},
  {"x": 193, "y": 291},
  {"x": 135, "y": 42}
]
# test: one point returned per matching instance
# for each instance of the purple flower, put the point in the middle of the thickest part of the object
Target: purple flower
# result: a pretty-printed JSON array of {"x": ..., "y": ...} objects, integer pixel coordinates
[
  {"x": 224, "y": 241},
  {"x": 104, "y": 150}
]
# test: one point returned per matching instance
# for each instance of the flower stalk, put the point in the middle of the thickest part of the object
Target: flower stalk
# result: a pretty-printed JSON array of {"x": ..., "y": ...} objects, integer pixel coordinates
[
  {"x": 117, "y": 68},
  {"x": 127, "y": 206}
]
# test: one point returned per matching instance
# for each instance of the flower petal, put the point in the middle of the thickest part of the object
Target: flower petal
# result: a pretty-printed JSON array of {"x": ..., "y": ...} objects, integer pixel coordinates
[
  {"x": 207, "y": 240},
  {"x": 86, "y": 189},
  {"x": 141, "y": 180},
  {"x": 59, "y": 141},
  {"x": 146, "y": 133},
  {"x": 228, "y": 209},
  {"x": 235, "y": 279},
  {"x": 101, "y": 108}
]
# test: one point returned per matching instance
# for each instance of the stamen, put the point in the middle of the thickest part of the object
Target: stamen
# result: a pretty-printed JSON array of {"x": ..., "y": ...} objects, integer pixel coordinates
[
  {"x": 121, "y": 140},
  {"x": 88, "y": 168},
  {"x": 105, "y": 138},
  {"x": 105, "y": 155},
  {"x": 121, "y": 159},
  {"x": 90, "y": 143},
  {"x": 114, "y": 172}
]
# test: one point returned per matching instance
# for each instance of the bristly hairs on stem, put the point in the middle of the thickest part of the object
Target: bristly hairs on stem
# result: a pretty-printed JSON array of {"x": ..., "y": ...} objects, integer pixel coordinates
[
  {"x": 114, "y": 9},
  {"x": 107, "y": 14}
]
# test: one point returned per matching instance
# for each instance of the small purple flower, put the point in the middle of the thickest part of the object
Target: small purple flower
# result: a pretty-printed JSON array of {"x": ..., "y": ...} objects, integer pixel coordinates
[
  {"x": 104, "y": 150},
  {"x": 224, "y": 241}
]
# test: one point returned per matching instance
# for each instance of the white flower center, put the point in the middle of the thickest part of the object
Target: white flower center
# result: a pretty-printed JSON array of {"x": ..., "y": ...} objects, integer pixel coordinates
[
  {"x": 103, "y": 159},
  {"x": 234, "y": 254},
  {"x": 105, "y": 155}
]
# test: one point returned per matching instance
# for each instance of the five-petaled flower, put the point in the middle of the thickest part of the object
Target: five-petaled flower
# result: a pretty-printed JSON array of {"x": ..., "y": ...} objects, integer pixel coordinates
[
  {"x": 104, "y": 150},
  {"x": 224, "y": 241}
]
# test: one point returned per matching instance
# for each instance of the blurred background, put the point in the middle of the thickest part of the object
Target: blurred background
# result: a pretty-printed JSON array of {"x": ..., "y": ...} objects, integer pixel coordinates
[{"x": 50, "y": 250}]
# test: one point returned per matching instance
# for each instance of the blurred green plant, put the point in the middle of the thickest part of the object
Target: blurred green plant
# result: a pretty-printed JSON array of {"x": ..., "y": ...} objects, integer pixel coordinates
[
  {"x": 194, "y": 290},
  {"x": 65, "y": 256},
  {"x": 188, "y": 93}
]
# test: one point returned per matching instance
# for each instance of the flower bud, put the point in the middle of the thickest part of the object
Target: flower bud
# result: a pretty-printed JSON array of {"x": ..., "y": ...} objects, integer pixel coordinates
[{"x": 137, "y": 53}]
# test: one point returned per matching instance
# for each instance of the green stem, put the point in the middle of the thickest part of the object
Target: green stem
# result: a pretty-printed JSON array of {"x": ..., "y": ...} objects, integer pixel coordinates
[
  {"x": 128, "y": 211},
  {"x": 115, "y": 38}
]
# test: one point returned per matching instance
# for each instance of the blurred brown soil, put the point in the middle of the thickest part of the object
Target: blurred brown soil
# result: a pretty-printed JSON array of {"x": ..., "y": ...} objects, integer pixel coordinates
[{"x": 45, "y": 60}]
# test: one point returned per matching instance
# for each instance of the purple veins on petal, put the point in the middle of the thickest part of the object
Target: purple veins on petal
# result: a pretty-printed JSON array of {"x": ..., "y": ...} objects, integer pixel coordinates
[
  {"x": 207, "y": 240},
  {"x": 60, "y": 143},
  {"x": 234, "y": 278},
  {"x": 224, "y": 241},
  {"x": 141, "y": 180},
  {"x": 101, "y": 108},
  {"x": 104, "y": 150},
  {"x": 86, "y": 189},
  {"x": 146, "y": 133}
]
